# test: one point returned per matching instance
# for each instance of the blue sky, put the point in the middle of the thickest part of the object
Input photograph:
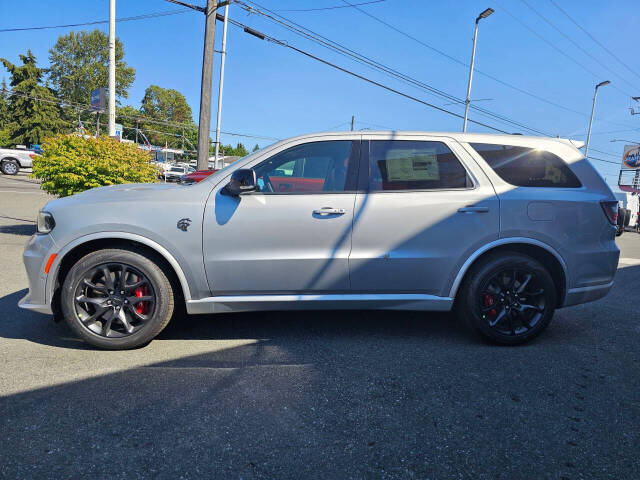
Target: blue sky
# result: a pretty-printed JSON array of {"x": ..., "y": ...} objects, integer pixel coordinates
[{"x": 274, "y": 92}]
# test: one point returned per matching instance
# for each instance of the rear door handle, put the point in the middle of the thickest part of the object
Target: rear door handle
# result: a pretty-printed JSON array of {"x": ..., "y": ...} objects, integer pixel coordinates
[
  {"x": 471, "y": 209},
  {"x": 329, "y": 211}
]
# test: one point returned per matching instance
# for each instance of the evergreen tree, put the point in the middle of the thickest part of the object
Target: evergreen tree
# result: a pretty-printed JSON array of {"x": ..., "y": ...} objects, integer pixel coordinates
[
  {"x": 256, "y": 148},
  {"x": 5, "y": 140},
  {"x": 34, "y": 112}
]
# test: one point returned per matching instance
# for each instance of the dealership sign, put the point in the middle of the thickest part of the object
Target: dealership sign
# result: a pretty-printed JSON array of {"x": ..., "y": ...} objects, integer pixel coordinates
[
  {"x": 98, "y": 99},
  {"x": 631, "y": 157}
]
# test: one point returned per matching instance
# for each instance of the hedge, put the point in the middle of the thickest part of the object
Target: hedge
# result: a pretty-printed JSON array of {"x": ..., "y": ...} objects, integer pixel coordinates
[{"x": 71, "y": 164}]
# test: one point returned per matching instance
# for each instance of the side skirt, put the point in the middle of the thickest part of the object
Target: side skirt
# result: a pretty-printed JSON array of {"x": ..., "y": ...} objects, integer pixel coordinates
[{"x": 248, "y": 303}]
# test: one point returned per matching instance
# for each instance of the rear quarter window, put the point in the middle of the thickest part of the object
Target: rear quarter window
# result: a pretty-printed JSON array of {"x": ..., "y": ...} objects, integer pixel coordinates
[{"x": 527, "y": 167}]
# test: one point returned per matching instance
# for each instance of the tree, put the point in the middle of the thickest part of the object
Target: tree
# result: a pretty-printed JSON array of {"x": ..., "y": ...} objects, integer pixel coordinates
[
  {"x": 167, "y": 107},
  {"x": 34, "y": 113},
  {"x": 256, "y": 148},
  {"x": 71, "y": 164},
  {"x": 80, "y": 63},
  {"x": 5, "y": 139}
]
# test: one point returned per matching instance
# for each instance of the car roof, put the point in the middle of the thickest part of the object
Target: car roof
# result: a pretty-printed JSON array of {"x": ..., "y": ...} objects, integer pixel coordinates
[{"x": 498, "y": 138}]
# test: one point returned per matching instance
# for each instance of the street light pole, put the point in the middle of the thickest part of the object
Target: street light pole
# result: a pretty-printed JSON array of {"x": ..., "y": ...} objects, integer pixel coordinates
[
  {"x": 593, "y": 109},
  {"x": 223, "y": 55},
  {"x": 112, "y": 68},
  {"x": 467, "y": 101}
]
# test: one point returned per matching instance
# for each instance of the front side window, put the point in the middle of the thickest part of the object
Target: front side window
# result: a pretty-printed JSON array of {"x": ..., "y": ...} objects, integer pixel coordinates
[
  {"x": 527, "y": 167},
  {"x": 310, "y": 168},
  {"x": 414, "y": 165}
]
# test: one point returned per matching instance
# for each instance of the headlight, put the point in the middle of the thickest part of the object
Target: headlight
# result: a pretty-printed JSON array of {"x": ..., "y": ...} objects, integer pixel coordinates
[{"x": 45, "y": 222}]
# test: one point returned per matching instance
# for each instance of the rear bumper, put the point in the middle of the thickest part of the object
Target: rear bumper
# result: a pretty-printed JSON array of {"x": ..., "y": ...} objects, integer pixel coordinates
[{"x": 576, "y": 296}]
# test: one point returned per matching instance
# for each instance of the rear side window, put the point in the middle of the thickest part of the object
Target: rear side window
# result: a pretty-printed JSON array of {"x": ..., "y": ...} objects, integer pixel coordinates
[
  {"x": 527, "y": 167},
  {"x": 414, "y": 165}
]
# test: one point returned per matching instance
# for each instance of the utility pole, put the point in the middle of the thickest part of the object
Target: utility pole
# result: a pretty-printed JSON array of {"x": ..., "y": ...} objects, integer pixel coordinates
[
  {"x": 223, "y": 55},
  {"x": 204, "y": 124},
  {"x": 136, "y": 131},
  {"x": 353, "y": 117},
  {"x": 112, "y": 68}
]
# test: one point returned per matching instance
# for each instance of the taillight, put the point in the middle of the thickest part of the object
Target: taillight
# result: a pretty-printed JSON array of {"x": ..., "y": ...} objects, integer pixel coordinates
[
  {"x": 610, "y": 209},
  {"x": 32, "y": 155}
]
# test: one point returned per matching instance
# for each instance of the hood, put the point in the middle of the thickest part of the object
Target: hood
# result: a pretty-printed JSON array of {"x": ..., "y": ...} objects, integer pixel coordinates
[{"x": 127, "y": 192}]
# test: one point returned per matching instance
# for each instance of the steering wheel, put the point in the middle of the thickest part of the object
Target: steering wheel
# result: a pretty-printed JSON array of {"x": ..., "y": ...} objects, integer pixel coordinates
[{"x": 268, "y": 186}]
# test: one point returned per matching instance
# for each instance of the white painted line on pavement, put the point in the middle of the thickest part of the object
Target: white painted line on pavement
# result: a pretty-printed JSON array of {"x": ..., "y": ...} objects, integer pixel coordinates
[
  {"x": 35, "y": 192},
  {"x": 629, "y": 261}
]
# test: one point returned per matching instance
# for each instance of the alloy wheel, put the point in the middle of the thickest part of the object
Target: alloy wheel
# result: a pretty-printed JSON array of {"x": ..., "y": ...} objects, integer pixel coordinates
[
  {"x": 10, "y": 168},
  {"x": 114, "y": 300},
  {"x": 512, "y": 302}
]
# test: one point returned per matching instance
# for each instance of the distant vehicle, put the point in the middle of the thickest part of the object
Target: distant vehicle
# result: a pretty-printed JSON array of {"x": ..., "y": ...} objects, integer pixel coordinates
[
  {"x": 501, "y": 229},
  {"x": 628, "y": 212},
  {"x": 13, "y": 159},
  {"x": 174, "y": 173},
  {"x": 195, "y": 177}
]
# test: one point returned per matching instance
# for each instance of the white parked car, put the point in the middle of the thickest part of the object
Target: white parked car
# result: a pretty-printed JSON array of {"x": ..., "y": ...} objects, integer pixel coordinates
[
  {"x": 174, "y": 173},
  {"x": 13, "y": 159}
]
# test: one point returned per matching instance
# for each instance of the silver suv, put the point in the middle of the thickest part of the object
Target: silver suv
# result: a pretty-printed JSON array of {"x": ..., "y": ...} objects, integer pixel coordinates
[{"x": 502, "y": 229}]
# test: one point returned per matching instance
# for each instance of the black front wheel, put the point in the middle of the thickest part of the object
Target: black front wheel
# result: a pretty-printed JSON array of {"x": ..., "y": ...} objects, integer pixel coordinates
[
  {"x": 508, "y": 298},
  {"x": 117, "y": 299}
]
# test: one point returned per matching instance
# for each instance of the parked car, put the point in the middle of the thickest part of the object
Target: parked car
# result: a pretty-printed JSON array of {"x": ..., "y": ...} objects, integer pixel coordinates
[
  {"x": 484, "y": 225},
  {"x": 13, "y": 159},
  {"x": 196, "y": 176},
  {"x": 174, "y": 173}
]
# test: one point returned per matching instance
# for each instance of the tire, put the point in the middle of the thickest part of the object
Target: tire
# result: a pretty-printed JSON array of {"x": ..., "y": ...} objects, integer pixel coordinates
[
  {"x": 480, "y": 302},
  {"x": 144, "y": 279},
  {"x": 10, "y": 167}
]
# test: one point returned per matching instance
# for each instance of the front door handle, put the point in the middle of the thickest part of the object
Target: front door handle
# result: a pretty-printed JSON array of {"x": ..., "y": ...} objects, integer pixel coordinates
[
  {"x": 472, "y": 209},
  {"x": 329, "y": 211}
]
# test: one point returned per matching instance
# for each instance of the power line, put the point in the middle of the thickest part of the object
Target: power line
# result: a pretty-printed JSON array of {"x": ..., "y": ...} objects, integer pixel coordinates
[
  {"x": 557, "y": 49},
  {"x": 360, "y": 58},
  {"x": 87, "y": 108},
  {"x": 577, "y": 45},
  {"x": 335, "y": 7},
  {"x": 480, "y": 72},
  {"x": 98, "y": 22},
  {"x": 577, "y": 24},
  {"x": 263, "y": 36}
]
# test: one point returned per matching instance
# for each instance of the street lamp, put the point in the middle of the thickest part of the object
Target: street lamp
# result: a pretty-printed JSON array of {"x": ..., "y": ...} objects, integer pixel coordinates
[
  {"x": 593, "y": 109},
  {"x": 484, "y": 14}
]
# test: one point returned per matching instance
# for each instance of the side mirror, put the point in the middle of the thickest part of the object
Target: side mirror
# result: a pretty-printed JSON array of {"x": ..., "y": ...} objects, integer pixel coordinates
[{"x": 242, "y": 180}]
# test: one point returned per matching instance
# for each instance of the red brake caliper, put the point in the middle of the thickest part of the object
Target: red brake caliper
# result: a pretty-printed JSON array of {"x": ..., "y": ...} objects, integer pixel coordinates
[
  {"x": 489, "y": 301},
  {"x": 142, "y": 307}
]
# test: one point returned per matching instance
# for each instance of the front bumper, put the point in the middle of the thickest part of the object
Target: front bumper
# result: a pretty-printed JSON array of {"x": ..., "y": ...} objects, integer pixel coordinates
[{"x": 36, "y": 253}]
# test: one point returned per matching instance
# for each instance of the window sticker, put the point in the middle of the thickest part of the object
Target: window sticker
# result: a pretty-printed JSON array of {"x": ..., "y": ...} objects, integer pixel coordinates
[{"x": 411, "y": 165}]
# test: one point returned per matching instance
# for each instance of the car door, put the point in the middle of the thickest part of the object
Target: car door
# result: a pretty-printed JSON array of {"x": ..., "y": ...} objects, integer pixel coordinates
[
  {"x": 427, "y": 207},
  {"x": 292, "y": 235}
]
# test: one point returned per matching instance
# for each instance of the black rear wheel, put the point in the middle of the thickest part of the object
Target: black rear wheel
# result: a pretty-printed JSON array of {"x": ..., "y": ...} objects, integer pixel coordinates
[
  {"x": 117, "y": 299},
  {"x": 508, "y": 298}
]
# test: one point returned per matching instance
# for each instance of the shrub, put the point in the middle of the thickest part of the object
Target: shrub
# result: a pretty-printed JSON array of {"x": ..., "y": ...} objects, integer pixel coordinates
[{"x": 71, "y": 164}]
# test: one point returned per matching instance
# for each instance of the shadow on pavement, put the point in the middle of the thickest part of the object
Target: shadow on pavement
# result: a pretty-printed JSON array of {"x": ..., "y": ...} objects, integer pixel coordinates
[
  {"x": 19, "y": 229},
  {"x": 337, "y": 395}
]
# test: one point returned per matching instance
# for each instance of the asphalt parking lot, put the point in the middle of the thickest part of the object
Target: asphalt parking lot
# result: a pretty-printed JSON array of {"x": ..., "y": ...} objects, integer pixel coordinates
[{"x": 317, "y": 395}]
